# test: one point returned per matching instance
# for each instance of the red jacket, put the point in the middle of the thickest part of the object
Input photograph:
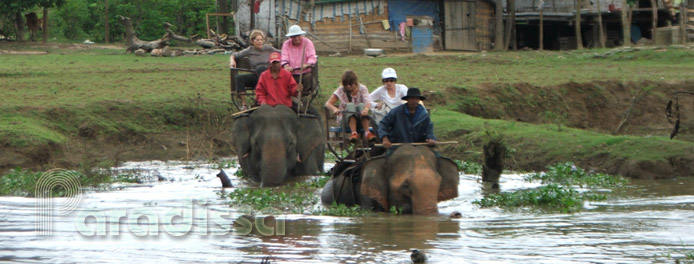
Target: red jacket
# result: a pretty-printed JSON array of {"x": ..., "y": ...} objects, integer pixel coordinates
[{"x": 276, "y": 91}]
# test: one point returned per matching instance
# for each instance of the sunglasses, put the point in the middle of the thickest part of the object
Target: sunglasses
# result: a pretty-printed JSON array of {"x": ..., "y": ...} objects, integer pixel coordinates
[{"x": 389, "y": 80}]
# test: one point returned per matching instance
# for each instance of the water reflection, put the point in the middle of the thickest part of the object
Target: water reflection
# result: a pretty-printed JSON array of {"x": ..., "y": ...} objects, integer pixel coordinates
[{"x": 650, "y": 221}]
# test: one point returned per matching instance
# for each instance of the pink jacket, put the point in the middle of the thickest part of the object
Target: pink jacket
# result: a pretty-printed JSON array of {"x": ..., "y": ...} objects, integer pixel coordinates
[{"x": 292, "y": 54}]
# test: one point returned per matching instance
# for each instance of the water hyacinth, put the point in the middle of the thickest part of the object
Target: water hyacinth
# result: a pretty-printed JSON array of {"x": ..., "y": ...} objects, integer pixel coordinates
[{"x": 557, "y": 192}]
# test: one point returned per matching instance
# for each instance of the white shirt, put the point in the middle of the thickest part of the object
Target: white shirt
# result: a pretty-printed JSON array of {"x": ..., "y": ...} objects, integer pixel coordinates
[{"x": 381, "y": 94}]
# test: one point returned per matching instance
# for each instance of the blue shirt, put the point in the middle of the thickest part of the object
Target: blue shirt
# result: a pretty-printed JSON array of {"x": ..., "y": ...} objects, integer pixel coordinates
[{"x": 400, "y": 126}]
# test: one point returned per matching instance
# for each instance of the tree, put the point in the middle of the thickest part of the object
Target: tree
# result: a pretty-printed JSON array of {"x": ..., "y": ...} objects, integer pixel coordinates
[{"x": 9, "y": 8}]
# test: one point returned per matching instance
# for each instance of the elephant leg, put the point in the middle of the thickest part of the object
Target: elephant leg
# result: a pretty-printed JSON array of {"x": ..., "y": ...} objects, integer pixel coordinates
[{"x": 326, "y": 195}]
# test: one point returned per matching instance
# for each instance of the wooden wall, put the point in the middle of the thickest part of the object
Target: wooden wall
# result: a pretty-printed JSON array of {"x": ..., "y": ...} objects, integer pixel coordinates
[
  {"x": 484, "y": 24},
  {"x": 334, "y": 34}
]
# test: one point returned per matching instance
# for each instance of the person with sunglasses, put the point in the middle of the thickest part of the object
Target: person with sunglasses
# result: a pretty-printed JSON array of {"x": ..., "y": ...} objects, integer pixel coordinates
[{"x": 388, "y": 95}]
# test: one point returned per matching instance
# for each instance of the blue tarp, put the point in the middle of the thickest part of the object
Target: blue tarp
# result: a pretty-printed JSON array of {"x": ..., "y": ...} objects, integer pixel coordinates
[{"x": 399, "y": 9}]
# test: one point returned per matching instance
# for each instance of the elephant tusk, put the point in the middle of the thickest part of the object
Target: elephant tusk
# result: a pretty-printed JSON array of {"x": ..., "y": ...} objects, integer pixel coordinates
[
  {"x": 298, "y": 158},
  {"x": 245, "y": 155}
]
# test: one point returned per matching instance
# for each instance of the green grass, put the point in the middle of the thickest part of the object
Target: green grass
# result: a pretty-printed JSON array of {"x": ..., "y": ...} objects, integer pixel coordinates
[
  {"x": 22, "y": 182},
  {"x": 545, "y": 142}
]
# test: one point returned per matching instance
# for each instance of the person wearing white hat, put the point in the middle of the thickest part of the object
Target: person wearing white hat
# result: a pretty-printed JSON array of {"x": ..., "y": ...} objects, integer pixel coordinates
[
  {"x": 388, "y": 95},
  {"x": 298, "y": 55}
]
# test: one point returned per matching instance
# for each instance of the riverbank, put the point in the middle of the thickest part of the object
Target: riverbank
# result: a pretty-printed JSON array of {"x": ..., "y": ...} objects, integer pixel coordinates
[{"x": 92, "y": 105}]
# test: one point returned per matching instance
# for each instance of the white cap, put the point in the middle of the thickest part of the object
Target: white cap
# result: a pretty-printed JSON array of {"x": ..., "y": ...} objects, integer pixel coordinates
[
  {"x": 388, "y": 73},
  {"x": 295, "y": 30}
]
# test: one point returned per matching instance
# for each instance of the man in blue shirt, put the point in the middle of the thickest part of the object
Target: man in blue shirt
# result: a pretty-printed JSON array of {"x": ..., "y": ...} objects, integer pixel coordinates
[{"x": 407, "y": 123}]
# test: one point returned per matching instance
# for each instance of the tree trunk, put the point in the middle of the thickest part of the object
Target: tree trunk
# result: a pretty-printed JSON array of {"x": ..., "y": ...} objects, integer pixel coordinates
[
  {"x": 654, "y": 10},
  {"x": 19, "y": 23},
  {"x": 577, "y": 25},
  {"x": 601, "y": 38},
  {"x": 106, "y": 30},
  {"x": 224, "y": 8},
  {"x": 135, "y": 43},
  {"x": 499, "y": 24},
  {"x": 45, "y": 24},
  {"x": 626, "y": 25}
]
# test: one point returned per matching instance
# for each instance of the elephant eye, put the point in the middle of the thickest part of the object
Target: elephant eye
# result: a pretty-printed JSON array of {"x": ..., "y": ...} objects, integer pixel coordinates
[{"x": 405, "y": 189}]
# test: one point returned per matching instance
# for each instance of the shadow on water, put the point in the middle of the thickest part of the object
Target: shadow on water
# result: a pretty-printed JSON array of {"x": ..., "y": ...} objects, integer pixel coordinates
[{"x": 649, "y": 221}]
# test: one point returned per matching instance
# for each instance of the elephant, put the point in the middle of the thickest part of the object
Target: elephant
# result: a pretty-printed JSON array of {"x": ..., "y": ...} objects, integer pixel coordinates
[
  {"x": 412, "y": 178},
  {"x": 273, "y": 144}
]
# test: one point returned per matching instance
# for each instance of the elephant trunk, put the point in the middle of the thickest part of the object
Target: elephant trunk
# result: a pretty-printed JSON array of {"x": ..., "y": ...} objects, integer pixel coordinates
[
  {"x": 273, "y": 166},
  {"x": 425, "y": 192}
]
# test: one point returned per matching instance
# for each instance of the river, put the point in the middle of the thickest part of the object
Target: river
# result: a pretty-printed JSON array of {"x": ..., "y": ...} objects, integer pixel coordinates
[{"x": 645, "y": 222}]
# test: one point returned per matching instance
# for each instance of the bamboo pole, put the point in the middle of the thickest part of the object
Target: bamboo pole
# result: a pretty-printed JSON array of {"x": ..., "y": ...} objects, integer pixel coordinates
[
  {"x": 419, "y": 143},
  {"x": 244, "y": 111}
]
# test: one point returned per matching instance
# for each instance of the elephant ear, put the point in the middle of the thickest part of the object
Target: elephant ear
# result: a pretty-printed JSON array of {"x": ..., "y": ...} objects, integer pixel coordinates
[
  {"x": 240, "y": 135},
  {"x": 449, "y": 178},
  {"x": 374, "y": 181},
  {"x": 310, "y": 143}
]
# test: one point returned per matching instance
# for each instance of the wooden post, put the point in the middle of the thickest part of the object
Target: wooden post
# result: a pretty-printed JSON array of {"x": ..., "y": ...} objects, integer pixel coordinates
[
  {"x": 207, "y": 22},
  {"x": 499, "y": 25},
  {"x": 577, "y": 26},
  {"x": 252, "y": 3},
  {"x": 601, "y": 37},
  {"x": 542, "y": 28},
  {"x": 626, "y": 26},
  {"x": 350, "y": 32},
  {"x": 654, "y": 24},
  {"x": 106, "y": 30},
  {"x": 510, "y": 22},
  {"x": 683, "y": 24}
]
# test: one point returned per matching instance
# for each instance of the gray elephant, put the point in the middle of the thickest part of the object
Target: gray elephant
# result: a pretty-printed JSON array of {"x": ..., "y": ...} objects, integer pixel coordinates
[
  {"x": 412, "y": 178},
  {"x": 273, "y": 144}
]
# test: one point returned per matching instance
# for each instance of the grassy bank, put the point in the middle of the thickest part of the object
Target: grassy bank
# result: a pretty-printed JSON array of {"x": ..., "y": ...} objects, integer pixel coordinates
[{"x": 102, "y": 98}]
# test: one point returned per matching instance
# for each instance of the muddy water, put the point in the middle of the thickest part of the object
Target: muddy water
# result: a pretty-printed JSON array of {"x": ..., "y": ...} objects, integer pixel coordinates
[{"x": 650, "y": 221}]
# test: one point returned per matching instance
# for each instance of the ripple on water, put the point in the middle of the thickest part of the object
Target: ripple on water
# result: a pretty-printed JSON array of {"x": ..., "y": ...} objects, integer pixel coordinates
[{"x": 642, "y": 223}]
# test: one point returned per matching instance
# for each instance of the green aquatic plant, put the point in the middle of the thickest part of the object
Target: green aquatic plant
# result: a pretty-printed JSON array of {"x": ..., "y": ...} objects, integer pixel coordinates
[
  {"x": 469, "y": 167},
  {"x": 225, "y": 164},
  {"x": 558, "y": 192},
  {"x": 394, "y": 210},
  {"x": 126, "y": 177},
  {"x": 22, "y": 182},
  {"x": 293, "y": 201},
  {"x": 299, "y": 198},
  {"x": 343, "y": 210},
  {"x": 239, "y": 173},
  {"x": 568, "y": 174},
  {"x": 548, "y": 197},
  {"x": 19, "y": 182}
]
